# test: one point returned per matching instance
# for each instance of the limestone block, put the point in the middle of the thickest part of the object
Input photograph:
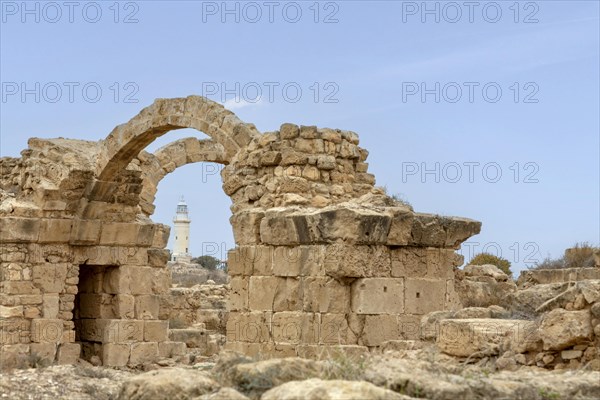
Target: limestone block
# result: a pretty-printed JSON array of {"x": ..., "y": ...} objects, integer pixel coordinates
[
  {"x": 45, "y": 351},
  {"x": 424, "y": 262},
  {"x": 156, "y": 331},
  {"x": 146, "y": 306},
  {"x": 15, "y": 230},
  {"x": 560, "y": 329},
  {"x": 50, "y": 306},
  {"x": 55, "y": 230},
  {"x": 437, "y": 231},
  {"x": 161, "y": 236},
  {"x": 68, "y": 336},
  {"x": 410, "y": 326},
  {"x": 193, "y": 338},
  {"x": 289, "y": 131},
  {"x": 19, "y": 287},
  {"x": 85, "y": 231},
  {"x": 145, "y": 236},
  {"x": 379, "y": 329},
  {"x": 171, "y": 349},
  {"x": 298, "y": 260},
  {"x": 343, "y": 260},
  {"x": 158, "y": 257},
  {"x": 161, "y": 280},
  {"x": 325, "y": 295},
  {"x": 400, "y": 226},
  {"x": 360, "y": 226},
  {"x": 246, "y": 227},
  {"x": 238, "y": 295},
  {"x": 252, "y": 327},
  {"x": 96, "y": 305},
  {"x": 277, "y": 350},
  {"x": 267, "y": 293},
  {"x": 295, "y": 327},
  {"x": 50, "y": 278},
  {"x": 284, "y": 230},
  {"x": 123, "y": 306},
  {"x": 13, "y": 355},
  {"x": 31, "y": 299},
  {"x": 422, "y": 296},
  {"x": 334, "y": 329},
  {"x": 116, "y": 233},
  {"x": 378, "y": 296},
  {"x": 112, "y": 330},
  {"x": 68, "y": 353},
  {"x": 250, "y": 260},
  {"x": 115, "y": 355},
  {"x": 464, "y": 337},
  {"x": 46, "y": 330},
  {"x": 11, "y": 312}
]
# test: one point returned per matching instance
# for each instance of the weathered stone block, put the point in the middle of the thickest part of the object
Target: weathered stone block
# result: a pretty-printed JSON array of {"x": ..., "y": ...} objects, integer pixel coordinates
[
  {"x": 295, "y": 327},
  {"x": 334, "y": 329},
  {"x": 158, "y": 257},
  {"x": 437, "y": 231},
  {"x": 50, "y": 306},
  {"x": 45, "y": 351},
  {"x": 400, "y": 226},
  {"x": 465, "y": 337},
  {"x": 378, "y": 296},
  {"x": 116, "y": 233},
  {"x": 96, "y": 305},
  {"x": 11, "y": 312},
  {"x": 115, "y": 355},
  {"x": 193, "y": 338},
  {"x": 146, "y": 306},
  {"x": 171, "y": 349},
  {"x": 380, "y": 328},
  {"x": 560, "y": 329},
  {"x": 46, "y": 330},
  {"x": 55, "y": 230},
  {"x": 342, "y": 261},
  {"x": 268, "y": 293},
  {"x": 68, "y": 353},
  {"x": 123, "y": 306},
  {"x": 156, "y": 331},
  {"x": 422, "y": 296},
  {"x": 249, "y": 327},
  {"x": 325, "y": 295},
  {"x": 15, "y": 230},
  {"x": 246, "y": 227},
  {"x": 238, "y": 295},
  {"x": 85, "y": 232},
  {"x": 112, "y": 330},
  {"x": 298, "y": 260},
  {"x": 161, "y": 236},
  {"x": 50, "y": 278},
  {"x": 360, "y": 226}
]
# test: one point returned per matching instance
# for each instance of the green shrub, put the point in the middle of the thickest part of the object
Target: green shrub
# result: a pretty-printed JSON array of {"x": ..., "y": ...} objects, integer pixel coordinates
[
  {"x": 486, "y": 258},
  {"x": 581, "y": 255}
]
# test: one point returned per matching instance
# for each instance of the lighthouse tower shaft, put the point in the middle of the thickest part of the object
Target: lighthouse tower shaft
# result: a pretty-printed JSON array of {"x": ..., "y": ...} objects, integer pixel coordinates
[{"x": 181, "y": 223}]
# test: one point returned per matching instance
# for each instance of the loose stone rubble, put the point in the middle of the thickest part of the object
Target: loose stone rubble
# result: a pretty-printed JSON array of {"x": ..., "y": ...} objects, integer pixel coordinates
[{"x": 323, "y": 257}]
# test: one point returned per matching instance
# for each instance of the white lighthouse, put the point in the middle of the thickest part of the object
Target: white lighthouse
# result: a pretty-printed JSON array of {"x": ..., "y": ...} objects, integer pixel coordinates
[{"x": 181, "y": 248}]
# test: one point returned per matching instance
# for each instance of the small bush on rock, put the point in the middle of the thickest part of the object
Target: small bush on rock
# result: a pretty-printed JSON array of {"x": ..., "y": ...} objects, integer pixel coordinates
[{"x": 486, "y": 258}]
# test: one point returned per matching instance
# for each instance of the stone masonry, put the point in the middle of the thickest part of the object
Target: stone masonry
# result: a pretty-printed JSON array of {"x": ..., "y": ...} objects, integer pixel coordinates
[{"x": 323, "y": 258}]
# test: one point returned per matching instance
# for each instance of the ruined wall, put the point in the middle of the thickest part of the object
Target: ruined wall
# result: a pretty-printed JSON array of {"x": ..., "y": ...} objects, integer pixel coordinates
[{"x": 318, "y": 246}]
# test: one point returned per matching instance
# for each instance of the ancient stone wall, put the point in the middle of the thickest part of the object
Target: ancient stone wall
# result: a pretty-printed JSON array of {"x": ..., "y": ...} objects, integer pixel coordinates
[{"x": 319, "y": 248}]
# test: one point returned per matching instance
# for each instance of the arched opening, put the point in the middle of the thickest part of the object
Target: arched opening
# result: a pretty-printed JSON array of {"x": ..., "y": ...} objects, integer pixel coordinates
[{"x": 117, "y": 304}]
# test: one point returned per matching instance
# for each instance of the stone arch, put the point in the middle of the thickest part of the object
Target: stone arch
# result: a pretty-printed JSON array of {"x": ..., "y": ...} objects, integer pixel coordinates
[
  {"x": 170, "y": 157},
  {"x": 114, "y": 177}
]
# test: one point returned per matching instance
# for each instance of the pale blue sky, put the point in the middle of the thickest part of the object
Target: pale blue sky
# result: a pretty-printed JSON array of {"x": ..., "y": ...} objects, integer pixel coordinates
[{"x": 368, "y": 61}]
